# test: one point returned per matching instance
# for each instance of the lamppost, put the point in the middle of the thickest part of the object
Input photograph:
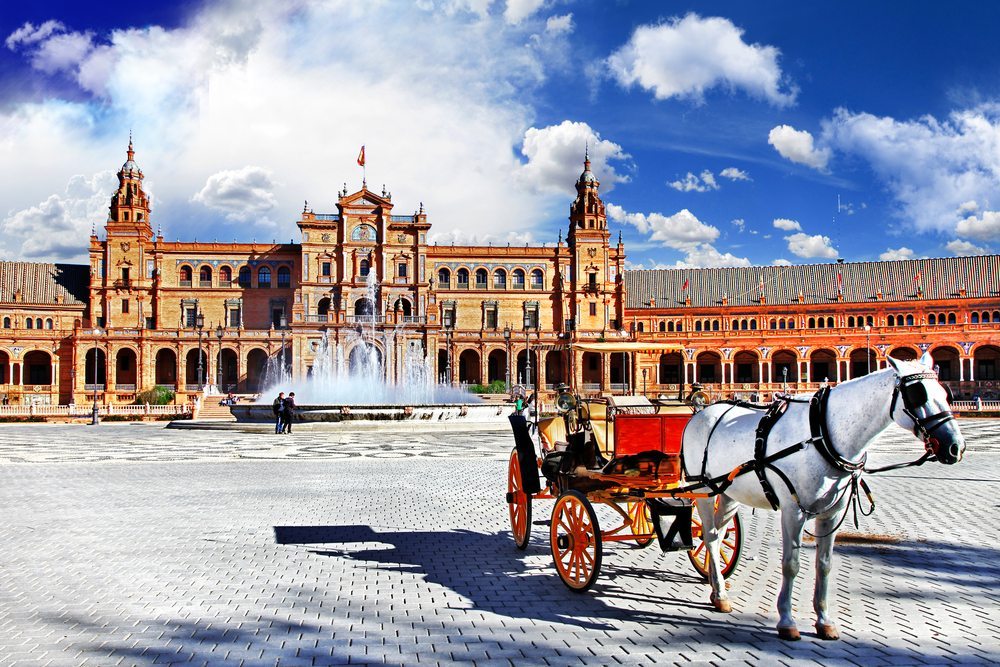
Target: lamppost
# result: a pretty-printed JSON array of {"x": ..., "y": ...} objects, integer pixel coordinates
[
  {"x": 506, "y": 340},
  {"x": 784, "y": 379},
  {"x": 95, "y": 417},
  {"x": 199, "y": 324},
  {"x": 644, "y": 372},
  {"x": 219, "y": 333},
  {"x": 527, "y": 350},
  {"x": 868, "y": 350},
  {"x": 447, "y": 356}
]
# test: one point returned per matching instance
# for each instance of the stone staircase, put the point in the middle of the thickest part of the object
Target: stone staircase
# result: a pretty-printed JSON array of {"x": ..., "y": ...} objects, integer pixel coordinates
[{"x": 212, "y": 411}]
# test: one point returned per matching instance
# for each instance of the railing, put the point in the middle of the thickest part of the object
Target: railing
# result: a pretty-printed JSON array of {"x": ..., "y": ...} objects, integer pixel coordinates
[
  {"x": 204, "y": 283},
  {"x": 334, "y": 217},
  {"x": 184, "y": 283},
  {"x": 414, "y": 319},
  {"x": 400, "y": 218},
  {"x": 480, "y": 285},
  {"x": 86, "y": 409},
  {"x": 225, "y": 283},
  {"x": 93, "y": 387},
  {"x": 366, "y": 319},
  {"x": 125, "y": 387},
  {"x": 193, "y": 387},
  {"x": 325, "y": 317},
  {"x": 974, "y": 406}
]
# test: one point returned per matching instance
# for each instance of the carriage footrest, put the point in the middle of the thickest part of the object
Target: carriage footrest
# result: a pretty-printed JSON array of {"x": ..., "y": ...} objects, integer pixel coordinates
[
  {"x": 672, "y": 523},
  {"x": 510, "y": 498}
]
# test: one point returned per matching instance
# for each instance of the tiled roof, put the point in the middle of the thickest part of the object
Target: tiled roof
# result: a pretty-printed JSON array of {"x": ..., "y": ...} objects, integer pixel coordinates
[
  {"x": 42, "y": 283},
  {"x": 897, "y": 280}
]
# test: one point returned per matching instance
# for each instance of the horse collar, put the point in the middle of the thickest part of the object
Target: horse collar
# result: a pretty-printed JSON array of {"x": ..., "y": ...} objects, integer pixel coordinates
[{"x": 821, "y": 434}]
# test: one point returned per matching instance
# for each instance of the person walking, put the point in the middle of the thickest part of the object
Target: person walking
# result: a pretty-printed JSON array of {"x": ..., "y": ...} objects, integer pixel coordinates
[
  {"x": 278, "y": 408},
  {"x": 288, "y": 413}
]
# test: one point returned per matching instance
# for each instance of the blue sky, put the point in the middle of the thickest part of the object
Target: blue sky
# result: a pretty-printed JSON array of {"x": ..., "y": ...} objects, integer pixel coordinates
[{"x": 723, "y": 132}]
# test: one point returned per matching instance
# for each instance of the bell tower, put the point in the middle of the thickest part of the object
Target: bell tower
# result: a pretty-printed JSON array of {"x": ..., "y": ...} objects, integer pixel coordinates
[
  {"x": 595, "y": 274},
  {"x": 129, "y": 211}
]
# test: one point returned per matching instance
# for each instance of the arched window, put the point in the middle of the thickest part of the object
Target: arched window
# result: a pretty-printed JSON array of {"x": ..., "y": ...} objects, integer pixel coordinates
[
  {"x": 462, "y": 278},
  {"x": 244, "y": 277},
  {"x": 481, "y": 278},
  {"x": 850, "y": 322},
  {"x": 537, "y": 279},
  {"x": 444, "y": 278},
  {"x": 284, "y": 277},
  {"x": 263, "y": 277},
  {"x": 663, "y": 326},
  {"x": 996, "y": 315},
  {"x": 791, "y": 323},
  {"x": 909, "y": 320},
  {"x": 205, "y": 276},
  {"x": 29, "y": 323},
  {"x": 986, "y": 317},
  {"x": 772, "y": 324},
  {"x": 499, "y": 279},
  {"x": 38, "y": 323},
  {"x": 736, "y": 325},
  {"x": 680, "y": 326},
  {"x": 670, "y": 326},
  {"x": 48, "y": 323},
  {"x": 6, "y": 322},
  {"x": 225, "y": 276},
  {"x": 364, "y": 268},
  {"x": 185, "y": 276},
  {"x": 829, "y": 323},
  {"x": 890, "y": 321},
  {"x": 951, "y": 318},
  {"x": 932, "y": 319},
  {"x": 753, "y": 325},
  {"x": 715, "y": 325},
  {"x": 517, "y": 279},
  {"x": 781, "y": 324},
  {"x": 743, "y": 325},
  {"x": 812, "y": 322},
  {"x": 975, "y": 318},
  {"x": 697, "y": 325},
  {"x": 640, "y": 327}
]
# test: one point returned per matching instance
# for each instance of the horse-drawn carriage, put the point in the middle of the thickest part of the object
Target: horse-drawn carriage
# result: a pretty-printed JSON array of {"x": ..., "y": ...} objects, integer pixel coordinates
[
  {"x": 655, "y": 462},
  {"x": 623, "y": 452}
]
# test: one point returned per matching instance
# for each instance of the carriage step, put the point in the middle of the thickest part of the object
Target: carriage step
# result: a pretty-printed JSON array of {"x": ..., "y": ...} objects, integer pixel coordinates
[
  {"x": 672, "y": 524},
  {"x": 510, "y": 498}
]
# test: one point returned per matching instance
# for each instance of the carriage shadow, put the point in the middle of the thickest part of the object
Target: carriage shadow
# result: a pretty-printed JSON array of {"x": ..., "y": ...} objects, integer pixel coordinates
[{"x": 486, "y": 570}]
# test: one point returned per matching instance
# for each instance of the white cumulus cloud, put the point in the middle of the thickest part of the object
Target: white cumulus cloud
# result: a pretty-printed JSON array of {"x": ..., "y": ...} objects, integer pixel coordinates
[
  {"x": 787, "y": 225},
  {"x": 555, "y": 157},
  {"x": 686, "y": 57},
  {"x": 735, "y": 174},
  {"x": 706, "y": 255},
  {"x": 896, "y": 253},
  {"x": 804, "y": 245},
  {"x": 781, "y": 262},
  {"x": 682, "y": 230},
  {"x": 798, "y": 146},
  {"x": 518, "y": 10},
  {"x": 938, "y": 171},
  {"x": 691, "y": 183},
  {"x": 985, "y": 227},
  {"x": 962, "y": 248},
  {"x": 559, "y": 25},
  {"x": 241, "y": 194}
]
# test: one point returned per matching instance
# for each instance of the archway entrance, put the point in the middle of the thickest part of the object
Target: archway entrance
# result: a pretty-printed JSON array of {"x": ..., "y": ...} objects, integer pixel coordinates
[
  {"x": 555, "y": 368},
  {"x": 671, "y": 368},
  {"x": 592, "y": 367},
  {"x": 784, "y": 367},
  {"x": 37, "y": 368},
  {"x": 125, "y": 370},
  {"x": 709, "y": 367},
  {"x": 166, "y": 368},
  {"x": 946, "y": 361},
  {"x": 496, "y": 366},
  {"x": 523, "y": 370},
  {"x": 822, "y": 366},
  {"x": 228, "y": 370},
  {"x": 468, "y": 367},
  {"x": 195, "y": 376},
  {"x": 95, "y": 372},
  {"x": 256, "y": 363},
  {"x": 862, "y": 362}
]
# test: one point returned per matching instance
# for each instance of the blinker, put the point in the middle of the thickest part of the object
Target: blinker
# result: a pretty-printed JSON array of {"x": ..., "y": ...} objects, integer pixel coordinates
[{"x": 914, "y": 395}]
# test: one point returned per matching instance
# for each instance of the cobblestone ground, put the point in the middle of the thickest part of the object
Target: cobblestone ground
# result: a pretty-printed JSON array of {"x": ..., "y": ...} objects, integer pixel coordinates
[{"x": 135, "y": 544}]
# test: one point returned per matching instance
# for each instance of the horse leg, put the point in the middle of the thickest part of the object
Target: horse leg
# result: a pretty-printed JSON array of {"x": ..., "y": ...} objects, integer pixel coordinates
[
  {"x": 710, "y": 534},
  {"x": 825, "y": 627},
  {"x": 792, "y": 523}
]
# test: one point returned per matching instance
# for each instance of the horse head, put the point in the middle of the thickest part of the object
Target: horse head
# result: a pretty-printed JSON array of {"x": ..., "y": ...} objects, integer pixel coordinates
[{"x": 920, "y": 405}]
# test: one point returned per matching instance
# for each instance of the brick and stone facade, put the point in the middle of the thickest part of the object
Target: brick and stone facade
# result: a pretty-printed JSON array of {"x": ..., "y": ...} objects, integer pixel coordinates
[{"x": 146, "y": 311}]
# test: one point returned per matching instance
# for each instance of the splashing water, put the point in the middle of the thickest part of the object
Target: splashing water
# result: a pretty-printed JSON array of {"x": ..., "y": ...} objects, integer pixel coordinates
[{"x": 354, "y": 371}]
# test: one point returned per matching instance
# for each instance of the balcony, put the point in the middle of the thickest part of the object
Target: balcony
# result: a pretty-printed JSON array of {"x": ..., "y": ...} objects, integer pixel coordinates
[
  {"x": 414, "y": 319},
  {"x": 184, "y": 283},
  {"x": 365, "y": 319},
  {"x": 204, "y": 283}
]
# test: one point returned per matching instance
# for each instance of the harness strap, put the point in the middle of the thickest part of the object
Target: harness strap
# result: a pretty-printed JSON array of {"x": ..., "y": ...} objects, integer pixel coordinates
[
  {"x": 703, "y": 476},
  {"x": 821, "y": 434},
  {"x": 760, "y": 458}
]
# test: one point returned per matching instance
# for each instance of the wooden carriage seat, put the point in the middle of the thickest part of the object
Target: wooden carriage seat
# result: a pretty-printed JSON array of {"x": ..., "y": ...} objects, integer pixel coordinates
[
  {"x": 553, "y": 433},
  {"x": 603, "y": 431},
  {"x": 637, "y": 433}
]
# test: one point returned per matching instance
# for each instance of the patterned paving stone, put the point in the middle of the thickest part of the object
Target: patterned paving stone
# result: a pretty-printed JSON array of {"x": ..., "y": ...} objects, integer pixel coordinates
[{"x": 134, "y": 544}]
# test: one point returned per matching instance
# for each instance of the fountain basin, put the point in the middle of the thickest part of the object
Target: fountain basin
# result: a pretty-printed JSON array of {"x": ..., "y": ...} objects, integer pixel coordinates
[{"x": 437, "y": 412}]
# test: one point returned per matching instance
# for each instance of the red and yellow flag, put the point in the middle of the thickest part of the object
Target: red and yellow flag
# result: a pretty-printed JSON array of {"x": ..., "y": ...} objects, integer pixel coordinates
[{"x": 361, "y": 156}]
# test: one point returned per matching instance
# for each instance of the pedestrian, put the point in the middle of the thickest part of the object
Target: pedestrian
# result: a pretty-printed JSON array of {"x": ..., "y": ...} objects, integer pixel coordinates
[
  {"x": 278, "y": 408},
  {"x": 288, "y": 413}
]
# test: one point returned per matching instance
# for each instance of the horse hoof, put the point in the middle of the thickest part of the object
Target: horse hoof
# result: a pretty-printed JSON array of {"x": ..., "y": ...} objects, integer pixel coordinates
[
  {"x": 722, "y": 606},
  {"x": 789, "y": 634},
  {"x": 827, "y": 631}
]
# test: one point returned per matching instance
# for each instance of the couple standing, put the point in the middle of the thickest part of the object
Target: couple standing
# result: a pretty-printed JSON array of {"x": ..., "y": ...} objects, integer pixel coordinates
[{"x": 283, "y": 409}]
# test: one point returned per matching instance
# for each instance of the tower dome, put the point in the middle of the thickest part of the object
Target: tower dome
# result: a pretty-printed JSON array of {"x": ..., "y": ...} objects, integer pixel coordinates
[{"x": 130, "y": 166}]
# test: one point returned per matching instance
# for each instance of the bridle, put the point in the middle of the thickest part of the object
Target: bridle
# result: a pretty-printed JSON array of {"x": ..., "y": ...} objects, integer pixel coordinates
[{"x": 914, "y": 396}]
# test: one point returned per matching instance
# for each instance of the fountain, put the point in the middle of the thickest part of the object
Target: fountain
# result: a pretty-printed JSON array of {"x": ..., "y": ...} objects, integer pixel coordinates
[{"x": 353, "y": 379}]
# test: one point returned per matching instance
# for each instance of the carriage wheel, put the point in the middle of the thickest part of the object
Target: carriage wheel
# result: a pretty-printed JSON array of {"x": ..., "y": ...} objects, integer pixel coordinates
[
  {"x": 519, "y": 503},
  {"x": 642, "y": 522},
  {"x": 575, "y": 536},
  {"x": 729, "y": 550}
]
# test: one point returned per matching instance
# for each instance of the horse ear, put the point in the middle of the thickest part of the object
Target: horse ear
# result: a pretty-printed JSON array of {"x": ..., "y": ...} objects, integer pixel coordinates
[
  {"x": 927, "y": 361},
  {"x": 894, "y": 363}
]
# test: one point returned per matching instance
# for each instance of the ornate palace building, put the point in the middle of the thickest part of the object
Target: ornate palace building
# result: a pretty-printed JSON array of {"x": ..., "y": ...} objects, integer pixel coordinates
[{"x": 149, "y": 312}]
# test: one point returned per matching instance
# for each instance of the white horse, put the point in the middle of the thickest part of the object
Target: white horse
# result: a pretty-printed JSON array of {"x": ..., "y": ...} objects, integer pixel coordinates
[{"x": 815, "y": 484}]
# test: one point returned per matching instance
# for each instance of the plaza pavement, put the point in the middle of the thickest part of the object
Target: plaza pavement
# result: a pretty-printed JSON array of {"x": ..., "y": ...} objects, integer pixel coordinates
[{"x": 136, "y": 544}]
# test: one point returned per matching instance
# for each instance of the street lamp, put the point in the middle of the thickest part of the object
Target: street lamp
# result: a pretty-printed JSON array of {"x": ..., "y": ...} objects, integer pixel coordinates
[
  {"x": 95, "y": 417},
  {"x": 447, "y": 356},
  {"x": 868, "y": 351},
  {"x": 784, "y": 379},
  {"x": 199, "y": 324},
  {"x": 219, "y": 333},
  {"x": 644, "y": 372},
  {"x": 527, "y": 350},
  {"x": 506, "y": 340}
]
